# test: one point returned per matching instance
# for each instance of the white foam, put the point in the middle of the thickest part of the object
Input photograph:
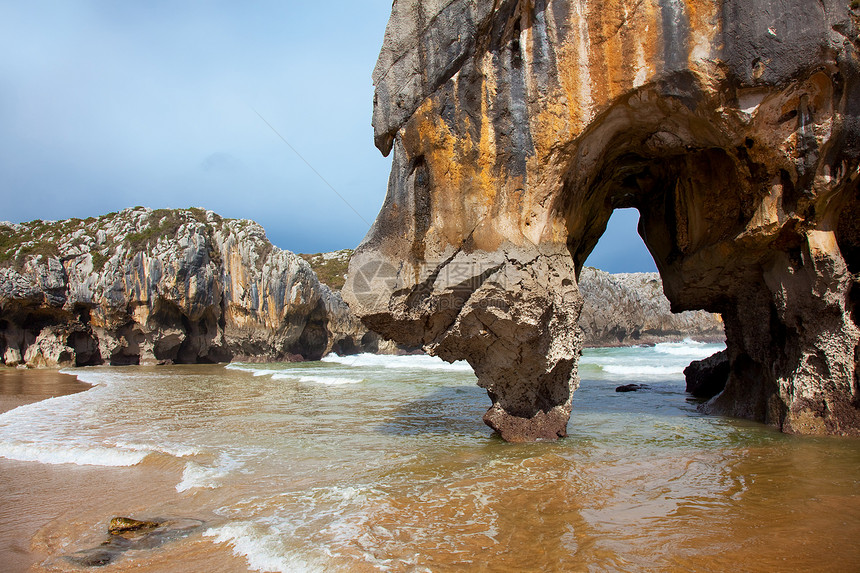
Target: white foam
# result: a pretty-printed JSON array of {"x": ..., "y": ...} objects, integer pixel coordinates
[
  {"x": 66, "y": 454},
  {"x": 688, "y": 349},
  {"x": 330, "y": 380},
  {"x": 261, "y": 546},
  {"x": 284, "y": 376},
  {"x": 642, "y": 370},
  {"x": 199, "y": 476},
  {"x": 327, "y": 379},
  {"x": 176, "y": 451},
  {"x": 251, "y": 369},
  {"x": 417, "y": 361},
  {"x": 93, "y": 377}
]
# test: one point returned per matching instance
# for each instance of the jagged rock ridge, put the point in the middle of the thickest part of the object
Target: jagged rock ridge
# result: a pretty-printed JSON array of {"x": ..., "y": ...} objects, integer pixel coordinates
[
  {"x": 149, "y": 286},
  {"x": 517, "y": 126}
]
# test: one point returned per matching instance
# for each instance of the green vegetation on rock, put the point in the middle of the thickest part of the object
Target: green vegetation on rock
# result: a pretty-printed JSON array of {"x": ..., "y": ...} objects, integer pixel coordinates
[
  {"x": 130, "y": 231},
  {"x": 330, "y": 267}
]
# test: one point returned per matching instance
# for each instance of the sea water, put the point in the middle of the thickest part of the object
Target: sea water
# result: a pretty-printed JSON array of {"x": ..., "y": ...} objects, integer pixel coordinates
[{"x": 382, "y": 463}]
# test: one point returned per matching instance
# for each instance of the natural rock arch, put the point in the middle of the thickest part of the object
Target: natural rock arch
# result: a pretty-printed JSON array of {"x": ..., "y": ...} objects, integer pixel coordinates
[
  {"x": 517, "y": 128},
  {"x": 731, "y": 234}
]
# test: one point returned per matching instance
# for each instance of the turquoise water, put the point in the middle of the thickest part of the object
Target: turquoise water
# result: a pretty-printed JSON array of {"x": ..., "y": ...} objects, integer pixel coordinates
[{"x": 383, "y": 463}]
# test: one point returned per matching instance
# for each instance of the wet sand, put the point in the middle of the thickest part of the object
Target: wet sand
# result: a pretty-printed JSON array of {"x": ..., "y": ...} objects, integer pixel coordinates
[
  {"x": 20, "y": 387},
  {"x": 42, "y": 505},
  {"x": 394, "y": 476},
  {"x": 23, "y": 485}
]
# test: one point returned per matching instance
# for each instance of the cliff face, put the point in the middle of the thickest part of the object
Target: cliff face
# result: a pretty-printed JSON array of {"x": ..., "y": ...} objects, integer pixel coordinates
[
  {"x": 626, "y": 309},
  {"x": 144, "y": 286},
  {"x": 517, "y": 126}
]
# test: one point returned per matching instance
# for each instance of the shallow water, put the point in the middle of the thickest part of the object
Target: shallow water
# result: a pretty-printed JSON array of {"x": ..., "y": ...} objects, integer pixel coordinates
[{"x": 383, "y": 463}]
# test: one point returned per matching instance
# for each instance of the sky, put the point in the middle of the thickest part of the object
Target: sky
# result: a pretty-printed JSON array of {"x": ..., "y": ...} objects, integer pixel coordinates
[{"x": 108, "y": 104}]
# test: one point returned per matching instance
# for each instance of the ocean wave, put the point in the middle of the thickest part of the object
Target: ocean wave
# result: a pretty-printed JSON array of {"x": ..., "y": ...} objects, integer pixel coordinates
[
  {"x": 642, "y": 370},
  {"x": 330, "y": 380},
  {"x": 200, "y": 476},
  {"x": 688, "y": 349},
  {"x": 175, "y": 450},
  {"x": 254, "y": 369},
  {"x": 261, "y": 545},
  {"x": 416, "y": 362},
  {"x": 65, "y": 454},
  {"x": 93, "y": 376}
]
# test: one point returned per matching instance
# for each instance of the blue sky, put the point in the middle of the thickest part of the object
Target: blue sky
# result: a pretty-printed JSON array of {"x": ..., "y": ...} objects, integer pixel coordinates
[{"x": 110, "y": 104}]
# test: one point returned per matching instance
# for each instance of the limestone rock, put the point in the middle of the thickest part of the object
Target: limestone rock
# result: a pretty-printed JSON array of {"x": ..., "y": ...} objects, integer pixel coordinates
[
  {"x": 626, "y": 309},
  {"x": 49, "y": 350},
  {"x": 12, "y": 357},
  {"x": 150, "y": 286},
  {"x": 518, "y": 126},
  {"x": 126, "y": 534}
]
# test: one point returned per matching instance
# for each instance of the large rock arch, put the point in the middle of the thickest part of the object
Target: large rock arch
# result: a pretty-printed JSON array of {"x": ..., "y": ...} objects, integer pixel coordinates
[{"x": 518, "y": 127}]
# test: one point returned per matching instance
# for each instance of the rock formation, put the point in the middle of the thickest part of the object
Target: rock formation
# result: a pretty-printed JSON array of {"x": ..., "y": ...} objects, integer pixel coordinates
[
  {"x": 331, "y": 267},
  {"x": 144, "y": 286},
  {"x": 517, "y": 126},
  {"x": 627, "y": 309},
  {"x": 707, "y": 378},
  {"x": 622, "y": 309}
]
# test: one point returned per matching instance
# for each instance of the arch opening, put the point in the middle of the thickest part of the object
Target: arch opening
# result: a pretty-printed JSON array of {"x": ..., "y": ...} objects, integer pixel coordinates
[
  {"x": 620, "y": 248},
  {"x": 624, "y": 309}
]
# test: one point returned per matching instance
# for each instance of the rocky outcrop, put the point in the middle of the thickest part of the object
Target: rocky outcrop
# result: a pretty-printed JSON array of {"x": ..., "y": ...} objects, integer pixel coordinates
[
  {"x": 627, "y": 309},
  {"x": 180, "y": 286},
  {"x": 517, "y": 126},
  {"x": 707, "y": 378}
]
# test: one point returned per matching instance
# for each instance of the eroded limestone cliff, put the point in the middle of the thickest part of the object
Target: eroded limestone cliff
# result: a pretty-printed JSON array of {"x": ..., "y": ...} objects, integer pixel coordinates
[
  {"x": 517, "y": 126},
  {"x": 144, "y": 286}
]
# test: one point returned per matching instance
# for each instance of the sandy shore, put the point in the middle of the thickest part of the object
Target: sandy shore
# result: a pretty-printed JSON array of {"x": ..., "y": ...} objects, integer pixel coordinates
[
  {"x": 20, "y": 387},
  {"x": 47, "y": 511},
  {"x": 26, "y": 488}
]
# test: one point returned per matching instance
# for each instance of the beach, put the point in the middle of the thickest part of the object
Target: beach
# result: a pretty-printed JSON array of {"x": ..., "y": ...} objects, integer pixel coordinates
[
  {"x": 382, "y": 463},
  {"x": 42, "y": 504},
  {"x": 19, "y": 386}
]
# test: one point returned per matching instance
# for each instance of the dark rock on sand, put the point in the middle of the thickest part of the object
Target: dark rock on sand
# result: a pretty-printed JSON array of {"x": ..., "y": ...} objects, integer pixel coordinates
[
  {"x": 127, "y": 525},
  {"x": 126, "y": 534}
]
